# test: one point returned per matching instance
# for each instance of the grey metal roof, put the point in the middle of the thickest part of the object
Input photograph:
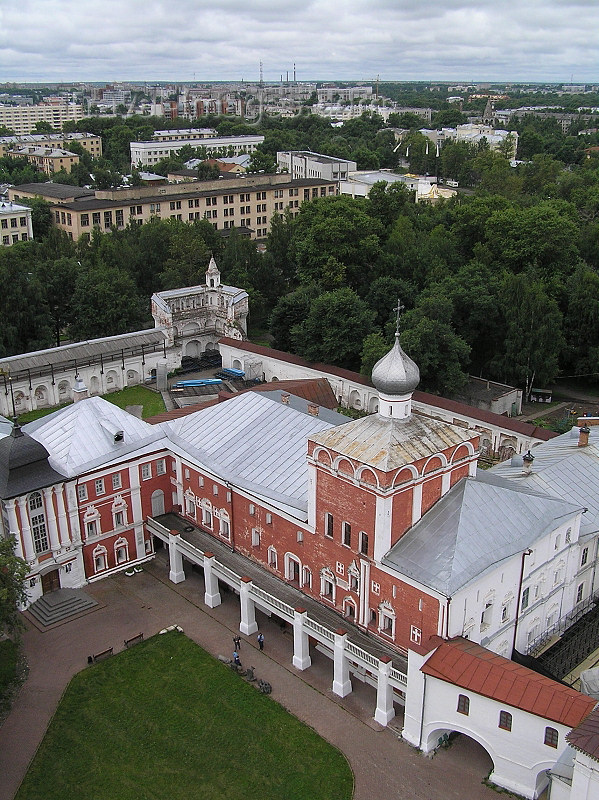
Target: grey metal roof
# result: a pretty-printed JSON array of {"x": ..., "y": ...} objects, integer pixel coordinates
[
  {"x": 82, "y": 435},
  {"x": 301, "y": 404},
  {"x": 82, "y": 351},
  {"x": 58, "y": 191},
  {"x": 388, "y": 444},
  {"x": 253, "y": 442},
  {"x": 562, "y": 469},
  {"x": 480, "y": 522},
  {"x": 24, "y": 465}
]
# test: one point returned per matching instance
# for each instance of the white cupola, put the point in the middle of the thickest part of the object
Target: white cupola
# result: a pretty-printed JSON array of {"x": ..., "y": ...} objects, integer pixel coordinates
[
  {"x": 212, "y": 275},
  {"x": 395, "y": 376}
]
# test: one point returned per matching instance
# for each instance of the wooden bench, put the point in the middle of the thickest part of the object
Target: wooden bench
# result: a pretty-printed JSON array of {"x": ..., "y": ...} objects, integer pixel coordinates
[
  {"x": 103, "y": 655},
  {"x": 133, "y": 640}
]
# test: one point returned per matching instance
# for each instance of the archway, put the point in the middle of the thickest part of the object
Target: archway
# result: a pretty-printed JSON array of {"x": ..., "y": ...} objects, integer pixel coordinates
[
  {"x": 64, "y": 391},
  {"x": 94, "y": 385},
  {"x": 112, "y": 380},
  {"x": 237, "y": 364},
  {"x": 41, "y": 396},
  {"x": 193, "y": 348},
  {"x": 132, "y": 377},
  {"x": 373, "y": 405},
  {"x": 157, "y": 500},
  {"x": 474, "y": 757}
]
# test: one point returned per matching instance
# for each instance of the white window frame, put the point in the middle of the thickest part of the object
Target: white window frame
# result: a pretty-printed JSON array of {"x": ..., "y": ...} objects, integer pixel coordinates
[
  {"x": 255, "y": 537},
  {"x": 121, "y": 545},
  {"x": 146, "y": 471},
  {"x": 116, "y": 481},
  {"x": 161, "y": 467},
  {"x": 99, "y": 486},
  {"x": 415, "y": 634},
  {"x": 82, "y": 492}
]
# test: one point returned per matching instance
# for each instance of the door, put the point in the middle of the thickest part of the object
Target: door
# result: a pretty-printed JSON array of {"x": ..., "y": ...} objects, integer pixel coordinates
[
  {"x": 50, "y": 581},
  {"x": 157, "y": 503}
]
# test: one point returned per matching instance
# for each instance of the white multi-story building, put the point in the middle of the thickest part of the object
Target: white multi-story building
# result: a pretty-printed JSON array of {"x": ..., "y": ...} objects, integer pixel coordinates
[
  {"x": 305, "y": 164},
  {"x": 146, "y": 154},
  {"x": 15, "y": 223},
  {"x": 22, "y": 119}
]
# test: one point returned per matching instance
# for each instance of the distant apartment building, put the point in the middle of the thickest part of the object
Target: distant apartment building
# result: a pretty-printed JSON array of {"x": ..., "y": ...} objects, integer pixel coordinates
[
  {"x": 341, "y": 113},
  {"x": 337, "y": 94},
  {"x": 184, "y": 134},
  {"x": 22, "y": 119},
  {"x": 305, "y": 164},
  {"x": 245, "y": 202},
  {"x": 89, "y": 141},
  {"x": 146, "y": 154},
  {"x": 46, "y": 159},
  {"x": 15, "y": 224}
]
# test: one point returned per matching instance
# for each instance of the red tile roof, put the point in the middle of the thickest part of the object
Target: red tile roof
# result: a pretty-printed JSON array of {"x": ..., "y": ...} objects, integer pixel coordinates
[
  {"x": 473, "y": 667},
  {"x": 525, "y": 428},
  {"x": 586, "y": 736}
]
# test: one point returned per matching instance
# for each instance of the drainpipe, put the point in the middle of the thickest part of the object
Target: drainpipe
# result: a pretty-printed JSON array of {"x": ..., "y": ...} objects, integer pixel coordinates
[
  {"x": 447, "y": 620},
  {"x": 524, "y": 554},
  {"x": 422, "y": 712}
]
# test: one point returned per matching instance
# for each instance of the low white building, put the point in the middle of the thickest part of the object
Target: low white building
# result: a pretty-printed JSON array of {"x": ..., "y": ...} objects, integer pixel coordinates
[
  {"x": 305, "y": 164},
  {"x": 15, "y": 223},
  {"x": 145, "y": 154},
  {"x": 519, "y": 717}
]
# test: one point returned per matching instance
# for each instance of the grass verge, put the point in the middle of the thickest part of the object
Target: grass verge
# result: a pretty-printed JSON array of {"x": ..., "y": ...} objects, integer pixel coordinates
[
  {"x": 151, "y": 401},
  {"x": 166, "y": 720}
]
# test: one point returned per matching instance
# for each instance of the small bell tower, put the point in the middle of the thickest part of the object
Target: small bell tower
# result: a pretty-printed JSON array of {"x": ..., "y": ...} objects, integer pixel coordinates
[{"x": 212, "y": 275}]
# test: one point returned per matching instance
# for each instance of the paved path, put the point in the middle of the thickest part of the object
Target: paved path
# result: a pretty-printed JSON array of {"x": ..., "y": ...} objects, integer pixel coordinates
[{"x": 383, "y": 765}]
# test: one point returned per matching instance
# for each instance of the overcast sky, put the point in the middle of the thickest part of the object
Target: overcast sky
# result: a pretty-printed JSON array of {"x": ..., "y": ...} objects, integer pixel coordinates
[{"x": 183, "y": 40}]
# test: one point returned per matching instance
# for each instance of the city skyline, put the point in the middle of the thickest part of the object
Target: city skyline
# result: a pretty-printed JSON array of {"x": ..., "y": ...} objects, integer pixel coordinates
[{"x": 411, "y": 40}]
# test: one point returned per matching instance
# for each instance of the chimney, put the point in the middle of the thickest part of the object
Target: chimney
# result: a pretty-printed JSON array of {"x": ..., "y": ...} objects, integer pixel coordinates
[
  {"x": 285, "y": 398},
  {"x": 528, "y": 459},
  {"x": 313, "y": 409},
  {"x": 79, "y": 390},
  {"x": 583, "y": 436}
]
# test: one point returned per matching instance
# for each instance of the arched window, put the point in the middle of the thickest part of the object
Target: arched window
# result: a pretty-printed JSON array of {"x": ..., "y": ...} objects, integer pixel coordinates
[
  {"x": 119, "y": 512},
  {"x": 463, "y": 704},
  {"x": 505, "y": 720},
  {"x": 551, "y": 737},
  {"x": 272, "y": 558},
  {"x": 91, "y": 519},
  {"x": 99, "y": 556},
  {"x": 38, "y": 523},
  {"x": 307, "y": 577},
  {"x": 121, "y": 551}
]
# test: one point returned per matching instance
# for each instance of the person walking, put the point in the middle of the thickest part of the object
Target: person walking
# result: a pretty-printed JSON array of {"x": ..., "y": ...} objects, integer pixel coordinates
[
  {"x": 237, "y": 642},
  {"x": 236, "y": 659},
  {"x": 261, "y": 641}
]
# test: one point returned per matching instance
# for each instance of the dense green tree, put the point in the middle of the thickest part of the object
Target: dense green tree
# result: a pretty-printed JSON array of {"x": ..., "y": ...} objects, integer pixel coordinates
[
  {"x": 42, "y": 219},
  {"x": 533, "y": 338},
  {"x": 581, "y": 324},
  {"x": 334, "y": 329},
  {"x": 387, "y": 201},
  {"x": 57, "y": 280},
  {"x": 105, "y": 303},
  {"x": 291, "y": 310},
  {"x": 13, "y": 571},
  {"x": 374, "y": 347},
  {"x": 262, "y": 162},
  {"x": 335, "y": 243}
]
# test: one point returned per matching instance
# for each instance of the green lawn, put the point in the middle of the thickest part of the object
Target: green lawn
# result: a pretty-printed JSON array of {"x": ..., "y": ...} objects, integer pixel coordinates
[
  {"x": 151, "y": 401},
  {"x": 166, "y": 721}
]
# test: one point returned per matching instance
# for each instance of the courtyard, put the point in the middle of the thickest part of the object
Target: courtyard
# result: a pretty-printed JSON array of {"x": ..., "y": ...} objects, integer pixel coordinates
[{"x": 382, "y": 764}]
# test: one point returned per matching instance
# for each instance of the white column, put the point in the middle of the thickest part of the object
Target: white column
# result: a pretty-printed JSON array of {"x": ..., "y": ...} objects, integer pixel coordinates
[
  {"x": 364, "y": 592},
  {"x": 51, "y": 518},
  {"x": 341, "y": 681},
  {"x": 472, "y": 468},
  {"x": 416, "y": 503},
  {"x": 301, "y": 643},
  {"x": 384, "y": 693},
  {"x": 179, "y": 479},
  {"x": 14, "y": 530},
  {"x": 26, "y": 530},
  {"x": 382, "y": 526},
  {"x": 312, "y": 496},
  {"x": 73, "y": 510},
  {"x": 176, "y": 574},
  {"x": 446, "y": 481},
  {"x": 248, "y": 622},
  {"x": 211, "y": 593},
  {"x": 414, "y": 712},
  {"x": 63, "y": 527},
  {"x": 137, "y": 516}
]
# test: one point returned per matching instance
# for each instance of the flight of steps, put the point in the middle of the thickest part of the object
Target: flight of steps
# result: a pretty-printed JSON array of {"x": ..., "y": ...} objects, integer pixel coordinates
[{"x": 60, "y": 605}]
